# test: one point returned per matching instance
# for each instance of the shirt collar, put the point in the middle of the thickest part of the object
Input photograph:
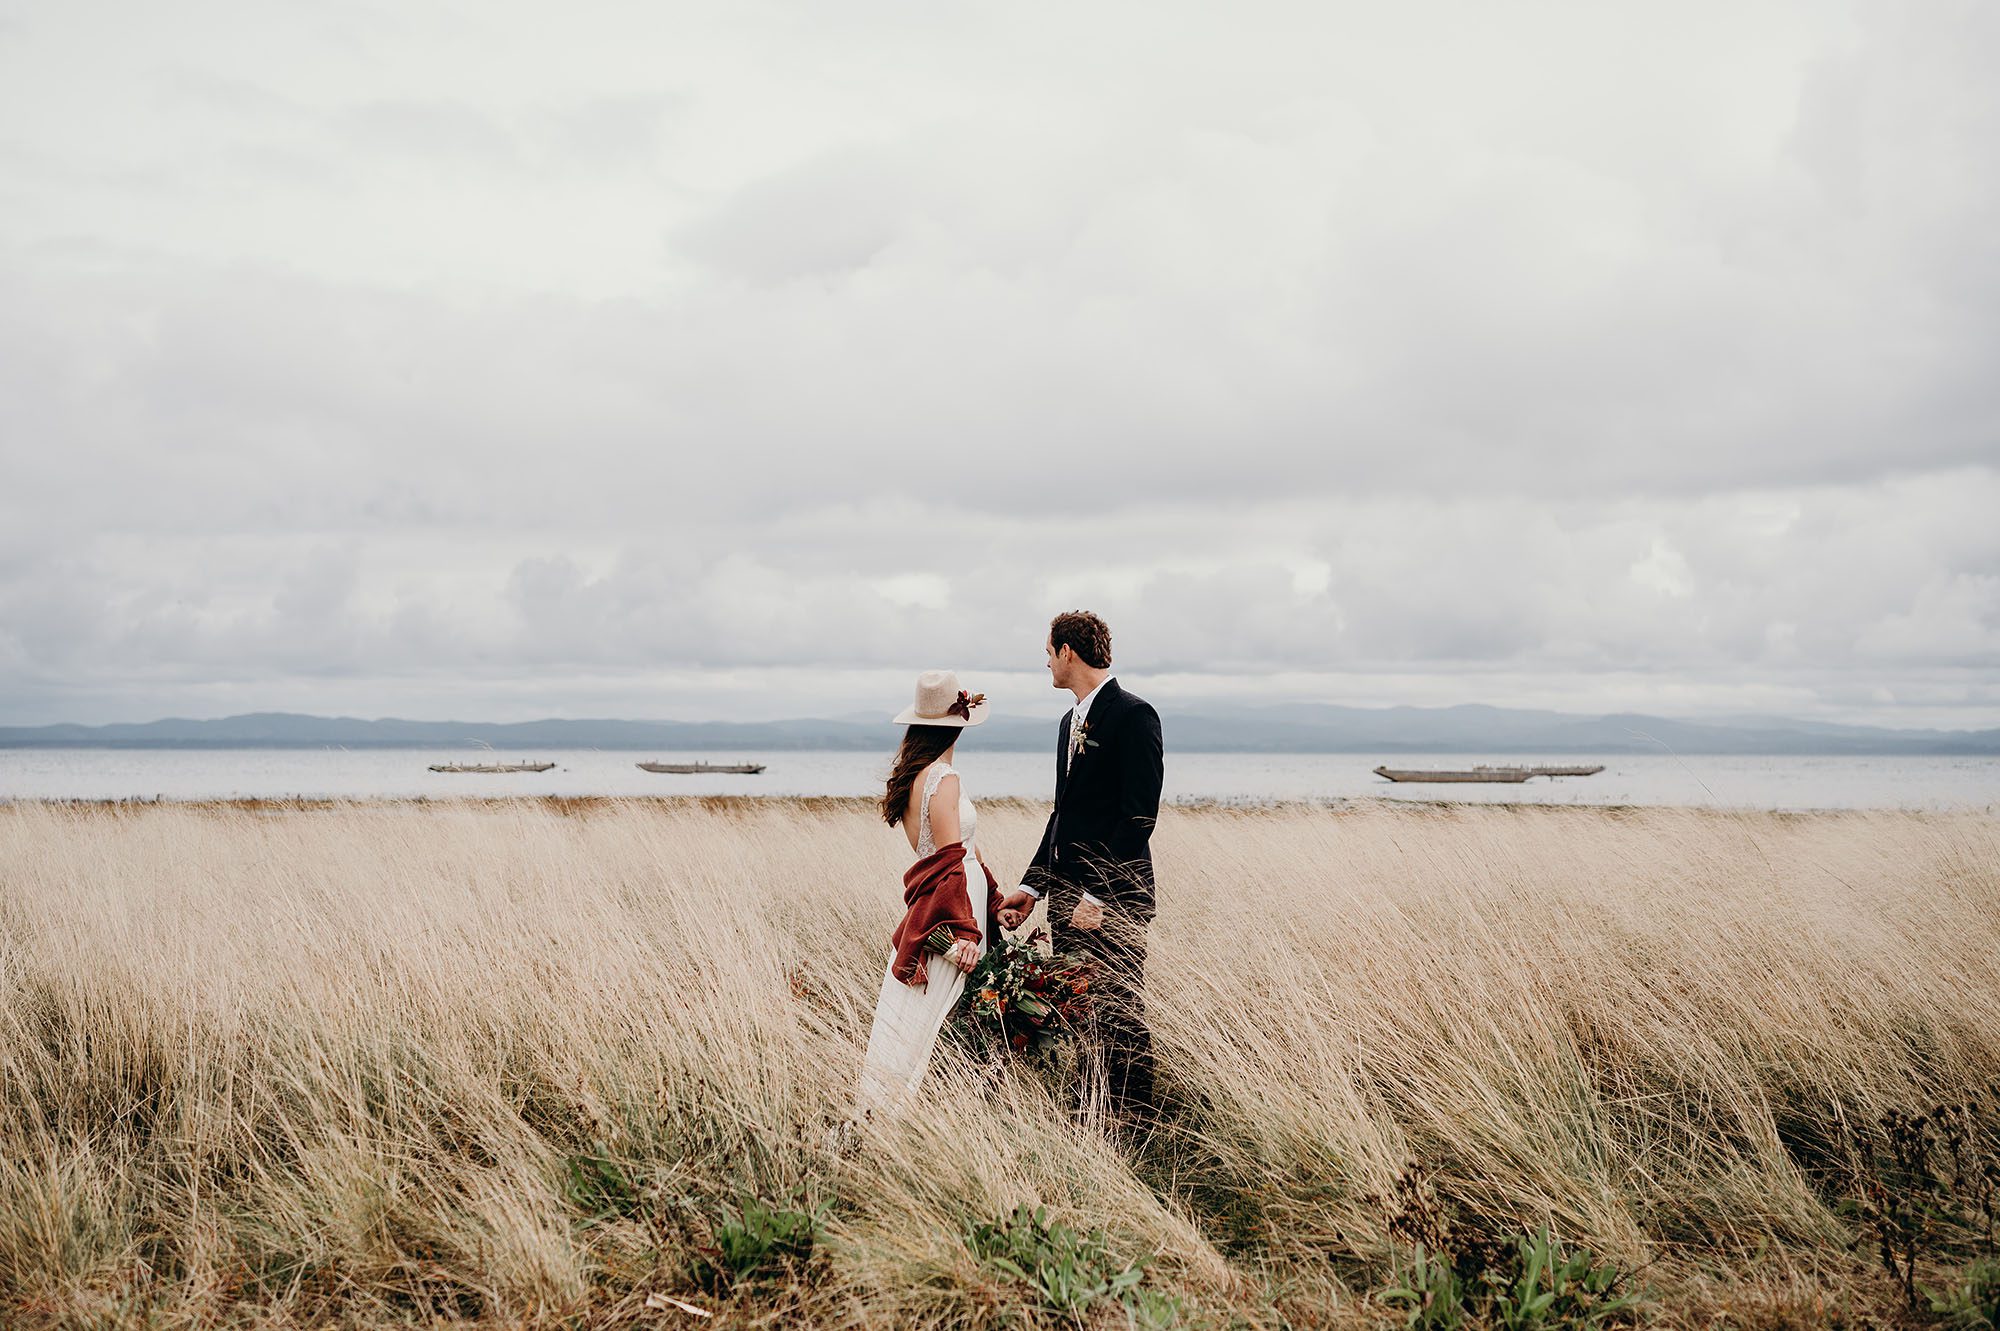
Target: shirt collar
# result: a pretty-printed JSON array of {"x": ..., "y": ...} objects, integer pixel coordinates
[{"x": 1082, "y": 708}]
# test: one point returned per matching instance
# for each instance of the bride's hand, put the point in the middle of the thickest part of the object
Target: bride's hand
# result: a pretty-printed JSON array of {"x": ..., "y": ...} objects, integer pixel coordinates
[
  {"x": 963, "y": 954},
  {"x": 1015, "y": 907}
]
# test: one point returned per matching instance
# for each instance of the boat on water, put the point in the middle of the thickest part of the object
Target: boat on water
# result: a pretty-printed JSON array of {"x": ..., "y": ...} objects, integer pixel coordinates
[
  {"x": 694, "y": 769},
  {"x": 491, "y": 767},
  {"x": 1499, "y": 775},
  {"x": 1511, "y": 775}
]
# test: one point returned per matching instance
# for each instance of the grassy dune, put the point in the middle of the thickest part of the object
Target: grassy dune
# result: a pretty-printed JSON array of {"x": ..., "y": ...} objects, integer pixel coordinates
[{"x": 526, "y": 1062}]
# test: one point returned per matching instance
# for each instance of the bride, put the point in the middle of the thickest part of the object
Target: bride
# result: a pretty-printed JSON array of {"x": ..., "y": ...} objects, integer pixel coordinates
[{"x": 926, "y": 797}]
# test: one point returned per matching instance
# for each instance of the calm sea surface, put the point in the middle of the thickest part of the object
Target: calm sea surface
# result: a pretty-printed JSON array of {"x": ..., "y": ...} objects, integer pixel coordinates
[{"x": 1736, "y": 781}]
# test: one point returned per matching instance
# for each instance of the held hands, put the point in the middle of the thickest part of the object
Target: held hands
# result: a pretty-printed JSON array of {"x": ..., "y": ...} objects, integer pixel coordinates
[
  {"x": 1019, "y": 904},
  {"x": 1015, "y": 907}
]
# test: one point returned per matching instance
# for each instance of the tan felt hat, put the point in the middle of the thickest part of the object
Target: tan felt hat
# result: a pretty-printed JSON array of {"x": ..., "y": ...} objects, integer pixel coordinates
[{"x": 940, "y": 702}]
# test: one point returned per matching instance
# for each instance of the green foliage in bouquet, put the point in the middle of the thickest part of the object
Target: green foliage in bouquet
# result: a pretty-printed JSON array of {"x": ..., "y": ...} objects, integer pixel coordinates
[{"x": 1021, "y": 998}]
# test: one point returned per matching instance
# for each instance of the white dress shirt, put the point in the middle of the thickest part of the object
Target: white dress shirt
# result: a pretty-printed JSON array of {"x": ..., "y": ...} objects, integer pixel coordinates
[{"x": 1077, "y": 716}]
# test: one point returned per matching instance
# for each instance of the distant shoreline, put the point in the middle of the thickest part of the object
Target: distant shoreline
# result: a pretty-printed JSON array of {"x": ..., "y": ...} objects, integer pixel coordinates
[{"x": 1202, "y": 728}]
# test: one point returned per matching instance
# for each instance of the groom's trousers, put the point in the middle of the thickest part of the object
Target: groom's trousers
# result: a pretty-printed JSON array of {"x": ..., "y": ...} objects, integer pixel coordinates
[{"x": 1116, "y": 1034}]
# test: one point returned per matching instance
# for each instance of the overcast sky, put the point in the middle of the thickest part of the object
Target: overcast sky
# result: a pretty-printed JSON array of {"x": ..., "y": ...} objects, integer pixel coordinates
[{"x": 504, "y": 360}]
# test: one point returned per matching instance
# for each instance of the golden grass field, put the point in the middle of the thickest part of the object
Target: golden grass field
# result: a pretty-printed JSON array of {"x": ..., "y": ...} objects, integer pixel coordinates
[{"x": 388, "y": 1063}]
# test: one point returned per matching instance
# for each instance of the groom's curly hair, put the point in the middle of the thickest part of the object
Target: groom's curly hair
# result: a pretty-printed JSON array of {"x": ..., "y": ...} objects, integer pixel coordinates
[{"x": 1083, "y": 633}]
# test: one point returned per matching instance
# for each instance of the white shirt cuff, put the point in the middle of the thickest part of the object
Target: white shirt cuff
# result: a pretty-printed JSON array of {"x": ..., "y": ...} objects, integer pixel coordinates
[{"x": 1038, "y": 896}]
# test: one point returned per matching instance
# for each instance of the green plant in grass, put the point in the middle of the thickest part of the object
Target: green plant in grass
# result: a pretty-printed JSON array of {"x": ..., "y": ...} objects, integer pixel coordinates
[
  {"x": 1460, "y": 1276},
  {"x": 1431, "y": 1288},
  {"x": 1551, "y": 1286},
  {"x": 1972, "y": 1303},
  {"x": 600, "y": 1187},
  {"x": 1070, "y": 1270},
  {"x": 759, "y": 1239},
  {"x": 1538, "y": 1284}
]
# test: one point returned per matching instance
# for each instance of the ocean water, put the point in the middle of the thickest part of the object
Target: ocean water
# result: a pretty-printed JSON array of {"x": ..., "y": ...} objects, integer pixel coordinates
[{"x": 1734, "y": 781}]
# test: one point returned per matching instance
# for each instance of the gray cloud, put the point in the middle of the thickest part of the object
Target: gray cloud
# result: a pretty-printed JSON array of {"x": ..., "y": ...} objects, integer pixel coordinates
[
  {"x": 1325, "y": 348},
  {"x": 1867, "y": 583}
]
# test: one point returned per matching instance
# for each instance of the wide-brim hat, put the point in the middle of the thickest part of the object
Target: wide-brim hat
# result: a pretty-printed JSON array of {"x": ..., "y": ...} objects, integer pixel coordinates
[{"x": 940, "y": 702}]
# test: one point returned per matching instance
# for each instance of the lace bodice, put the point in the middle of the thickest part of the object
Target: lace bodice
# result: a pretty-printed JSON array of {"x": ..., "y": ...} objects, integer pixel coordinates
[{"x": 968, "y": 817}]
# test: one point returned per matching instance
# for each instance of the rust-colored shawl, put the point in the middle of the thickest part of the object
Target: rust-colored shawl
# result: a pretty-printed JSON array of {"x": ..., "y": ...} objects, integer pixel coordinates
[{"x": 935, "y": 892}]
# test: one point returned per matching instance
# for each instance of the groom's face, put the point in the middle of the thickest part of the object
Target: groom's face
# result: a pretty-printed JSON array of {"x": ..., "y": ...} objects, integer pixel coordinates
[{"x": 1061, "y": 662}]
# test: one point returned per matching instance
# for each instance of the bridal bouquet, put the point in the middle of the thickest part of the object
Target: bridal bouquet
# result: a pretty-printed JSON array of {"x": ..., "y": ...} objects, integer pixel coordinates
[{"x": 1021, "y": 998}]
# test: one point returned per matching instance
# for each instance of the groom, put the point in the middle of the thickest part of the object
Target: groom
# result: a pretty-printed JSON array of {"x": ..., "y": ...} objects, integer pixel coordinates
[{"x": 1095, "y": 862}]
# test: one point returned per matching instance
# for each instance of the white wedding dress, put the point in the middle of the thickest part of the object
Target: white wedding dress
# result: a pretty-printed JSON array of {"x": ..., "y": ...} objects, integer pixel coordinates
[{"x": 907, "y": 1019}]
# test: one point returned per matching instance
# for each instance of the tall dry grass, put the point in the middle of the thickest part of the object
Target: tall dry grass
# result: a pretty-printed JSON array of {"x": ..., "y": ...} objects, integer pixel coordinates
[{"x": 281, "y": 1065}]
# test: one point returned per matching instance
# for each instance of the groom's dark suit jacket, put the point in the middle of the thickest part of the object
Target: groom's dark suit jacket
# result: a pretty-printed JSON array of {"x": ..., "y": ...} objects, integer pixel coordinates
[{"x": 1099, "y": 836}]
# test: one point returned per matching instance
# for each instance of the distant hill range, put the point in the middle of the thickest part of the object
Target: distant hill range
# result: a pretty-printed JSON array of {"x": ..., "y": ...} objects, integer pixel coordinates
[{"x": 1210, "y": 728}]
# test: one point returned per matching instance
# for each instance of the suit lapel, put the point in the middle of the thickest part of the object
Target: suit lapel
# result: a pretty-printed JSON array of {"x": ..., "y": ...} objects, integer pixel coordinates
[
  {"x": 1062, "y": 754},
  {"x": 1102, "y": 708}
]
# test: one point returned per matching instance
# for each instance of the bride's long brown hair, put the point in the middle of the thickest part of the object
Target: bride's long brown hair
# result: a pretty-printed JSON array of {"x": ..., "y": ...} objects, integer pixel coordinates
[{"x": 921, "y": 747}]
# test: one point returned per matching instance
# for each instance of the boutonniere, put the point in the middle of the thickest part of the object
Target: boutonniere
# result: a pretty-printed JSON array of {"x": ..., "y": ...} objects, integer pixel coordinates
[{"x": 1079, "y": 738}]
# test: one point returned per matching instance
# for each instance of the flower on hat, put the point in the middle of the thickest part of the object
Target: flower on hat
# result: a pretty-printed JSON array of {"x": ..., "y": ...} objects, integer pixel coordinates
[{"x": 966, "y": 702}]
